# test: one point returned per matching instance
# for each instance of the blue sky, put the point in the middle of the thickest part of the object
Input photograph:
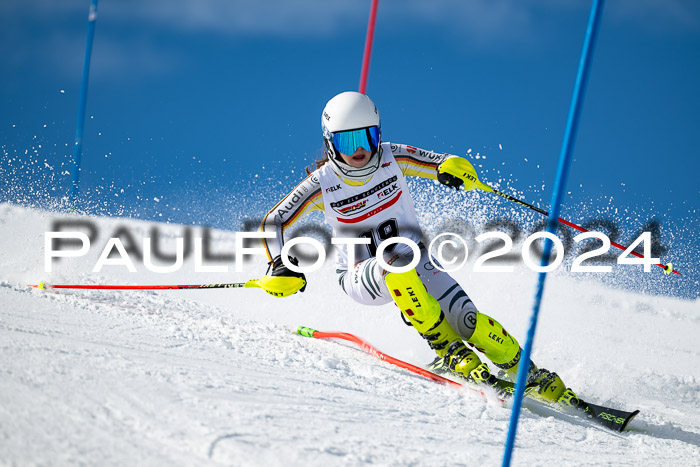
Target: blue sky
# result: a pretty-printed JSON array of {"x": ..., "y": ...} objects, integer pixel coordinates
[{"x": 201, "y": 111}]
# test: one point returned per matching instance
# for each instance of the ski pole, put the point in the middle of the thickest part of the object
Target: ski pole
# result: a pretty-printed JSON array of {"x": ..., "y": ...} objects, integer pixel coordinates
[
  {"x": 474, "y": 182},
  {"x": 249, "y": 284},
  {"x": 668, "y": 268}
]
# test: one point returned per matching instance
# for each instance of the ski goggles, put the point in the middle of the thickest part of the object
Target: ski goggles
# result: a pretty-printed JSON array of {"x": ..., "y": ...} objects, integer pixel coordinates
[{"x": 347, "y": 142}]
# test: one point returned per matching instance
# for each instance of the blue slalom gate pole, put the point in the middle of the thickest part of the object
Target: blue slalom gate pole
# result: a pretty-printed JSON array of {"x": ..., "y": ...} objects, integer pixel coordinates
[
  {"x": 559, "y": 186},
  {"x": 82, "y": 103}
]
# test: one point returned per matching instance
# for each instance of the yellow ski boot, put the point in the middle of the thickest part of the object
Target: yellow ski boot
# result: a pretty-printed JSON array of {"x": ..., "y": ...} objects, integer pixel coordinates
[
  {"x": 504, "y": 351},
  {"x": 551, "y": 389}
]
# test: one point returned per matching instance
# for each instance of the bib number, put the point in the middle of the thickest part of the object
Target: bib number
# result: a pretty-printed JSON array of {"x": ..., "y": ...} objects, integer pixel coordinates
[{"x": 384, "y": 231}]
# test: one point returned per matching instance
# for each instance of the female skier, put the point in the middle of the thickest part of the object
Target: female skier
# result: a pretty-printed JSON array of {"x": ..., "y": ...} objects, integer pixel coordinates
[{"x": 361, "y": 189}]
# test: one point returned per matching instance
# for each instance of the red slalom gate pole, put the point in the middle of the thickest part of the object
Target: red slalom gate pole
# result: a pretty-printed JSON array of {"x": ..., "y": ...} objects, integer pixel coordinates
[
  {"x": 308, "y": 332},
  {"x": 364, "y": 345},
  {"x": 368, "y": 46}
]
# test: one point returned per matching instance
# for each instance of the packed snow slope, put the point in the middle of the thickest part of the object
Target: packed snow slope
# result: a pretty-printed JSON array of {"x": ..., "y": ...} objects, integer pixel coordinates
[{"x": 219, "y": 377}]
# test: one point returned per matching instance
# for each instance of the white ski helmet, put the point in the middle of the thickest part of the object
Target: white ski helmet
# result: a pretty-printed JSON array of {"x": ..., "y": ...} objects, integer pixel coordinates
[{"x": 349, "y": 121}]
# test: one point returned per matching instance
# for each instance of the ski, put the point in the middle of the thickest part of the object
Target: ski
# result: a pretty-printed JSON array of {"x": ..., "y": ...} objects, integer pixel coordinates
[{"x": 613, "y": 419}]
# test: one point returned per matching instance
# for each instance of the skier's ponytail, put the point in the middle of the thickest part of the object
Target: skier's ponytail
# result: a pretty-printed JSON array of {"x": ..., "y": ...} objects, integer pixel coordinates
[{"x": 317, "y": 164}]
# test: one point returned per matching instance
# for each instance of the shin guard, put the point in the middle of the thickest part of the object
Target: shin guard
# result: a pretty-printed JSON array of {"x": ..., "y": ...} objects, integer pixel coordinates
[
  {"x": 498, "y": 345},
  {"x": 421, "y": 309}
]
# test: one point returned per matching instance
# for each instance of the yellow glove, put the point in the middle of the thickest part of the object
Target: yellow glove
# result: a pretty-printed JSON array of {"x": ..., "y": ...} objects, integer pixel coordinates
[
  {"x": 456, "y": 171},
  {"x": 282, "y": 282}
]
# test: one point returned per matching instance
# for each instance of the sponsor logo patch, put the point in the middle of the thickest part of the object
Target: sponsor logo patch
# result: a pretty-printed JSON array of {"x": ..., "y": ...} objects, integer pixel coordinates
[
  {"x": 372, "y": 201},
  {"x": 353, "y": 207}
]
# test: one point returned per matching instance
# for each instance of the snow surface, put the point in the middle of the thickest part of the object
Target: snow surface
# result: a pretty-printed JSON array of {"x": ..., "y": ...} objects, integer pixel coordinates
[{"x": 220, "y": 377}]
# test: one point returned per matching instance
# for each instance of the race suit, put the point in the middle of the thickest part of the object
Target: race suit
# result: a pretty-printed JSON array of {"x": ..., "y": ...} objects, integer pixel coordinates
[{"x": 377, "y": 210}]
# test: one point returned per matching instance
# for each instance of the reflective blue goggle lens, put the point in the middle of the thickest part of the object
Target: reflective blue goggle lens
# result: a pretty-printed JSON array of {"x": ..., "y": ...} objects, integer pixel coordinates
[{"x": 347, "y": 142}]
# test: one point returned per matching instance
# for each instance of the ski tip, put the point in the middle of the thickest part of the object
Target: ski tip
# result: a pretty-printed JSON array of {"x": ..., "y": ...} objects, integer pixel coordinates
[
  {"x": 306, "y": 332},
  {"x": 41, "y": 286},
  {"x": 629, "y": 419}
]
